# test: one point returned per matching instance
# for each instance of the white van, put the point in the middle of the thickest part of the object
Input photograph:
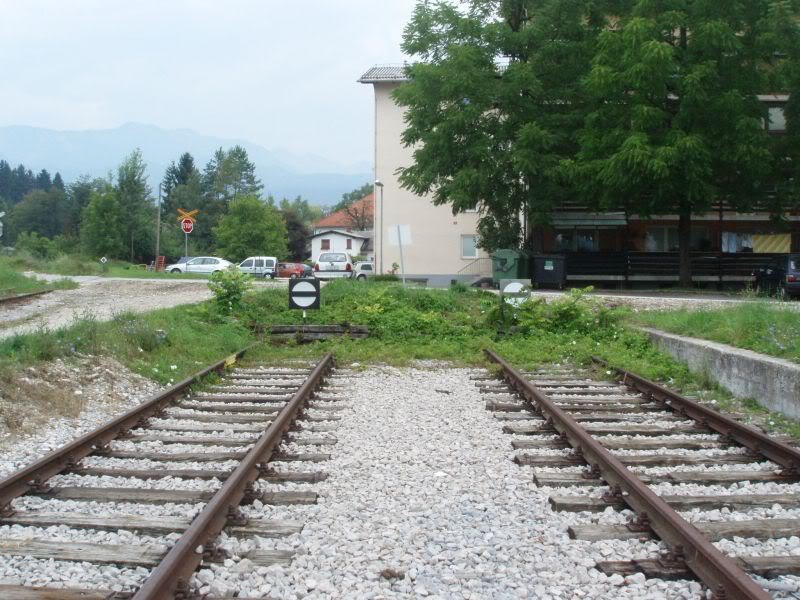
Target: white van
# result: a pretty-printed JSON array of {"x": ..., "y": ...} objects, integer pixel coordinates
[{"x": 259, "y": 266}]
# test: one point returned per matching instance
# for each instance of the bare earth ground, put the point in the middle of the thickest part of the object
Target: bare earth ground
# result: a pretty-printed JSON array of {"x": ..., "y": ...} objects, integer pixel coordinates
[
  {"x": 101, "y": 297},
  {"x": 45, "y": 406}
]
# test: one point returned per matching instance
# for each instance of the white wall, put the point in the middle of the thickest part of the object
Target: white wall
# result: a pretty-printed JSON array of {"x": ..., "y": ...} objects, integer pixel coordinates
[
  {"x": 338, "y": 244},
  {"x": 435, "y": 232}
]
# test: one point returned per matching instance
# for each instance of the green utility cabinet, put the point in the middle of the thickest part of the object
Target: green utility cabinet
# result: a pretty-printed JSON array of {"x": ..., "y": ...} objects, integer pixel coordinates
[{"x": 509, "y": 264}]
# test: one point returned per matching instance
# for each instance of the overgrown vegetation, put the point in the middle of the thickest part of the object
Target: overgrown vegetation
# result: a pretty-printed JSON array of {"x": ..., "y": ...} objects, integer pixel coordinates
[
  {"x": 74, "y": 264},
  {"x": 406, "y": 324},
  {"x": 758, "y": 326},
  {"x": 12, "y": 282}
]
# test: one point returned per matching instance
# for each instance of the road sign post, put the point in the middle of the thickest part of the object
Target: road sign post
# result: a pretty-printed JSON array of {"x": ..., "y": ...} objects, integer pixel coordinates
[
  {"x": 187, "y": 221},
  {"x": 304, "y": 295}
]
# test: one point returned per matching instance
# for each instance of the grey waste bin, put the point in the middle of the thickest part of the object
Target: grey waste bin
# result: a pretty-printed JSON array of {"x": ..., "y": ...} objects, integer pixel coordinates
[{"x": 549, "y": 270}]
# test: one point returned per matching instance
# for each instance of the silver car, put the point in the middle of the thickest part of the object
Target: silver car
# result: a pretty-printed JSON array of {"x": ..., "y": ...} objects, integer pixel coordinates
[
  {"x": 205, "y": 265},
  {"x": 333, "y": 265},
  {"x": 259, "y": 266},
  {"x": 363, "y": 270}
]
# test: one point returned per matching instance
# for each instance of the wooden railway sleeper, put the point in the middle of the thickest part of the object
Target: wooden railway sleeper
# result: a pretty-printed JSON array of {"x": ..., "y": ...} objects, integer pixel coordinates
[
  {"x": 613, "y": 495},
  {"x": 250, "y": 494},
  {"x": 235, "y": 515},
  {"x": 39, "y": 485}
]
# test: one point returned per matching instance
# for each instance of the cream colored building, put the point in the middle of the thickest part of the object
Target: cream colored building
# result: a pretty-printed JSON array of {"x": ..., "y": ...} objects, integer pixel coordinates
[{"x": 436, "y": 244}]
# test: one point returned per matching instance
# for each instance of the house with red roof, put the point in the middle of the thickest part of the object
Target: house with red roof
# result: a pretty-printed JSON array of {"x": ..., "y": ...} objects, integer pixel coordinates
[{"x": 349, "y": 230}]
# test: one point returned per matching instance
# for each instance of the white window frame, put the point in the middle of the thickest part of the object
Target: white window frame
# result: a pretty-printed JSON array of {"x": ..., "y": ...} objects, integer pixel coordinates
[{"x": 461, "y": 249}]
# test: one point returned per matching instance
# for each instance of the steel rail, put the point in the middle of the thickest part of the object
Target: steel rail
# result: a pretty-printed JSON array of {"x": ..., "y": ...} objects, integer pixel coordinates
[
  {"x": 34, "y": 476},
  {"x": 19, "y": 297},
  {"x": 710, "y": 565},
  {"x": 170, "y": 579},
  {"x": 776, "y": 451}
]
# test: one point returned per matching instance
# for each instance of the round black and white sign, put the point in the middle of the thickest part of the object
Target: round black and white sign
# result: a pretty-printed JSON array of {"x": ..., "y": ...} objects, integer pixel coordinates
[{"x": 304, "y": 293}]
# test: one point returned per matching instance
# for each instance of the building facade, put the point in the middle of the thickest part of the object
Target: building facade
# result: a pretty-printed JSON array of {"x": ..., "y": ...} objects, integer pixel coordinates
[
  {"x": 600, "y": 247},
  {"x": 355, "y": 243},
  {"x": 436, "y": 245}
]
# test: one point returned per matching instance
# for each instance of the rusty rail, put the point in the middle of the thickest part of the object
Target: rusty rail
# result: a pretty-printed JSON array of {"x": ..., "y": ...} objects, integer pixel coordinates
[
  {"x": 778, "y": 452},
  {"x": 34, "y": 476},
  {"x": 20, "y": 297},
  {"x": 171, "y": 578},
  {"x": 710, "y": 565}
]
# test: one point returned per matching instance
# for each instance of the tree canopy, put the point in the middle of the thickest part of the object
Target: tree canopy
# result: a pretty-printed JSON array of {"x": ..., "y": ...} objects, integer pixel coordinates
[{"x": 251, "y": 227}]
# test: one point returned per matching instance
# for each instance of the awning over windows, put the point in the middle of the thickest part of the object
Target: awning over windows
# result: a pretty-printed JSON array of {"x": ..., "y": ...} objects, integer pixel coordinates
[{"x": 589, "y": 219}]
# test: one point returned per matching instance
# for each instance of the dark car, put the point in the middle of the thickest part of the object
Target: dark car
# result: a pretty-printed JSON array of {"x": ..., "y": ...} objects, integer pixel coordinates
[
  {"x": 294, "y": 270},
  {"x": 781, "y": 276}
]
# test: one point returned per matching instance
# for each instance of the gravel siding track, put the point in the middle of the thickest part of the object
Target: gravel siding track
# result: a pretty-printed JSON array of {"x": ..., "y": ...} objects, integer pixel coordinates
[{"x": 423, "y": 500}]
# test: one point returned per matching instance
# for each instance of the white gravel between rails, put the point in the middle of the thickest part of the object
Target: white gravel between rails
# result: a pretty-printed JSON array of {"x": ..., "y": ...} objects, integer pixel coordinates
[{"x": 422, "y": 485}]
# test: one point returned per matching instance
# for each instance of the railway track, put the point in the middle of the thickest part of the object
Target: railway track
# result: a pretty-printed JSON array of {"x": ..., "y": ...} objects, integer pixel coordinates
[
  {"x": 170, "y": 483},
  {"x": 632, "y": 445}
]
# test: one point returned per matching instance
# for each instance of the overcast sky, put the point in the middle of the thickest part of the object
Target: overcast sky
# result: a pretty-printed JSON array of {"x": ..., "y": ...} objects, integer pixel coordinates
[{"x": 275, "y": 72}]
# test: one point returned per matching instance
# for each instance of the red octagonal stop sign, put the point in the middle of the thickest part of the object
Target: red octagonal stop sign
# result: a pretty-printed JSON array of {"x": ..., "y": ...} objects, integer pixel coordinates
[{"x": 187, "y": 226}]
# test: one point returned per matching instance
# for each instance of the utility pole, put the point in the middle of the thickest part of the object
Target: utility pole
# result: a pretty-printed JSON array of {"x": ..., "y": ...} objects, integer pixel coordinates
[
  {"x": 158, "y": 228},
  {"x": 379, "y": 184}
]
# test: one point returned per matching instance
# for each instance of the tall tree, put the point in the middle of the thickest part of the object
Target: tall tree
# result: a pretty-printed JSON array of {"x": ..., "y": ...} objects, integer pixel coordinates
[
  {"x": 97, "y": 237},
  {"x": 43, "y": 212},
  {"x": 230, "y": 175},
  {"x": 494, "y": 104},
  {"x": 133, "y": 195},
  {"x": 251, "y": 228},
  {"x": 676, "y": 122},
  {"x": 297, "y": 232},
  {"x": 43, "y": 181},
  {"x": 58, "y": 183}
]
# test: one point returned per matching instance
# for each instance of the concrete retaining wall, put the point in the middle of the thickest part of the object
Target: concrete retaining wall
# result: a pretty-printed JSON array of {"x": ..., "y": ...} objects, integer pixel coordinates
[{"x": 774, "y": 383}]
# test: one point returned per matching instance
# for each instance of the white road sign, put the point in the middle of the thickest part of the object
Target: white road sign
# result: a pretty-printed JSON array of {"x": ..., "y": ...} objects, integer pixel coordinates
[
  {"x": 515, "y": 292},
  {"x": 304, "y": 293}
]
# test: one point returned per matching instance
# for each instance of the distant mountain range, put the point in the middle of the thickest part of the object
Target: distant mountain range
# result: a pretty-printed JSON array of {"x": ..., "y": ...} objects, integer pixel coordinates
[{"x": 98, "y": 152}]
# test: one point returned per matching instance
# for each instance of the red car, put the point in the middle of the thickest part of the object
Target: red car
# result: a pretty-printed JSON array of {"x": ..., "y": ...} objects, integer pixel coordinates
[{"x": 293, "y": 270}]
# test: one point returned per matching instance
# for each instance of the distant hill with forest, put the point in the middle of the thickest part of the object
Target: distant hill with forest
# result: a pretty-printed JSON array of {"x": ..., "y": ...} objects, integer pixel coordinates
[{"x": 98, "y": 153}]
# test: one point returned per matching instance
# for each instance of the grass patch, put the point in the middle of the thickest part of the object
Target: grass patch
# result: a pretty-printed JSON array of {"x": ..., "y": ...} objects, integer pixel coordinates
[
  {"x": 406, "y": 324},
  {"x": 73, "y": 264},
  {"x": 12, "y": 282},
  {"x": 759, "y": 326},
  {"x": 165, "y": 345}
]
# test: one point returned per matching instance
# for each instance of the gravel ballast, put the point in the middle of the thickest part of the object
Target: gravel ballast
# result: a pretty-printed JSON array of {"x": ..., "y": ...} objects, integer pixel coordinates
[{"x": 423, "y": 499}]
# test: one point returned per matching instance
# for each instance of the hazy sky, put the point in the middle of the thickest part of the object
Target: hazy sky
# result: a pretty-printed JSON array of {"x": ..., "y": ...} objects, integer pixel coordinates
[{"x": 278, "y": 73}]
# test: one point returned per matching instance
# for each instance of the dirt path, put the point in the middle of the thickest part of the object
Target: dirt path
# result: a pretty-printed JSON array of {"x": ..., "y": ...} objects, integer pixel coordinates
[{"x": 101, "y": 298}]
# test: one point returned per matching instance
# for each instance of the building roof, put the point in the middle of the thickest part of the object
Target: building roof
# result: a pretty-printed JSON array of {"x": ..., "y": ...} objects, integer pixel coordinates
[
  {"x": 359, "y": 236},
  {"x": 342, "y": 220},
  {"x": 383, "y": 73}
]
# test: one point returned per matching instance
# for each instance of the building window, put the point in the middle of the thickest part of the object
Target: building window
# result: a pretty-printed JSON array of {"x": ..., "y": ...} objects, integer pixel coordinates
[
  {"x": 665, "y": 239},
  {"x": 777, "y": 119},
  {"x": 326, "y": 245},
  {"x": 469, "y": 246},
  {"x": 471, "y": 209},
  {"x": 349, "y": 244}
]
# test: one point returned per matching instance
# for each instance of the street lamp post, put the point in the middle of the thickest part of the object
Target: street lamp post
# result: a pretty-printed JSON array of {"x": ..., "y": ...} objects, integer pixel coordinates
[{"x": 380, "y": 185}]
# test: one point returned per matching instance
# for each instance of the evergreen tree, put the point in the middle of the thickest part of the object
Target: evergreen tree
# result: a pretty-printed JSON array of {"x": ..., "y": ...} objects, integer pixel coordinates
[
  {"x": 297, "y": 233},
  {"x": 230, "y": 175},
  {"x": 58, "y": 183},
  {"x": 43, "y": 181},
  {"x": 676, "y": 123}
]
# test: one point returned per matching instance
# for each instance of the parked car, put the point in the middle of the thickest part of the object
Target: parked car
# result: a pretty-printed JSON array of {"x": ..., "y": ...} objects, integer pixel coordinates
[
  {"x": 363, "y": 270},
  {"x": 259, "y": 266},
  {"x": 293, "y": 270},
  {"x": 200, "y": 264},
  {"x": 781, "y": 277},
  {"x": 333, "y": 265}
]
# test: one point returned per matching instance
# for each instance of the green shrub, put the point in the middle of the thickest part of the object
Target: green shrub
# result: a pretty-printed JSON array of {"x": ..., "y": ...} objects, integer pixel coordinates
[
  {"x": 36, "y": 245},
  {"x": 229, "y": 287}
]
